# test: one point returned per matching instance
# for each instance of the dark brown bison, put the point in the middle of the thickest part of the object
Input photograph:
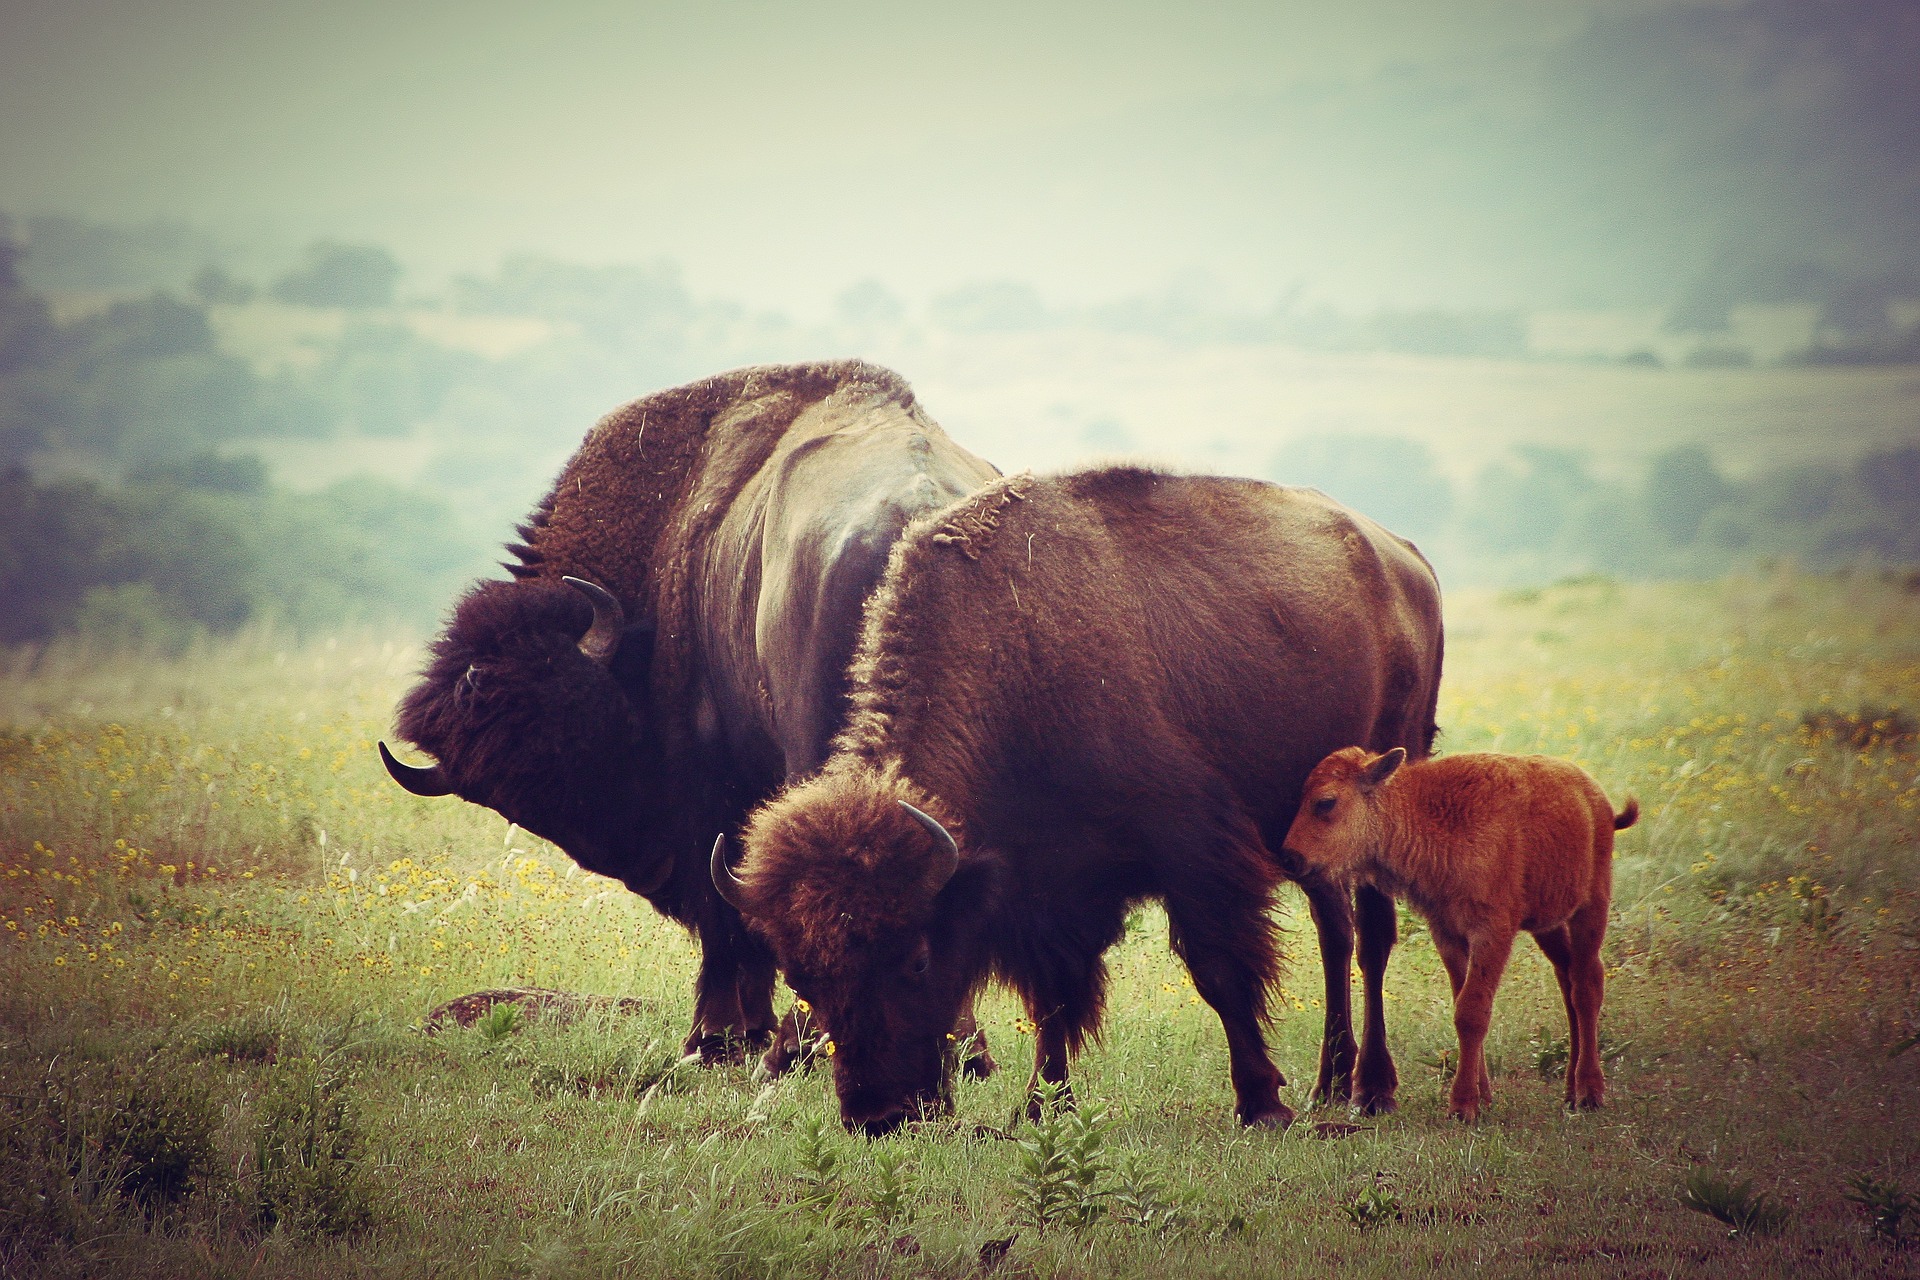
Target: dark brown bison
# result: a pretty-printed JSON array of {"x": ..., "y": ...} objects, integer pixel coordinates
[
  {"x": 1071, "y": 695},
  {"x": 674, "y": 640}
]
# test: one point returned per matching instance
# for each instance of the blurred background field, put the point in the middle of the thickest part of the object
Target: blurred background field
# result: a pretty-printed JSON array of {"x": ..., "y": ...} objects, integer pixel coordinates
[{"x": 214, "y": 900}]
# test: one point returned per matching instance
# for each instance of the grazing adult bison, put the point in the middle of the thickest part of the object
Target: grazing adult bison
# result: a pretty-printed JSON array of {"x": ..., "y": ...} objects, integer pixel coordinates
[
  {"x": 1074, "y": 694},
  {"x": 673, "y": 642}
]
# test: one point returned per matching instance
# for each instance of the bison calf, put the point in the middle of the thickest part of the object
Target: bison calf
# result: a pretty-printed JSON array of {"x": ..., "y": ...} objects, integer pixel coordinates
[{"x": 1483, "y": 846}]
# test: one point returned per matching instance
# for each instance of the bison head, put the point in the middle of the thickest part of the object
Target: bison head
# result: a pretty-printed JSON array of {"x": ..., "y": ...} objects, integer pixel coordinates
[
  {"x": 874, "y": 916},
  {"x": 525, "y": 705},
  {"x": 1338, "y": 825}
]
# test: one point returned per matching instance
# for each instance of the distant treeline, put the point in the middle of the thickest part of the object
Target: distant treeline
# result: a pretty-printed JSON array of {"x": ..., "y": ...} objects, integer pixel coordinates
[
  {"x": 134, "y": 503},
  {"x": 1544, "y": 514},
  {"x": 175, "y": 537}
]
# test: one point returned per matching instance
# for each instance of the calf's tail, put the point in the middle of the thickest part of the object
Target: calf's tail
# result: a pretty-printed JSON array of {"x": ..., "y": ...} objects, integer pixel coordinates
[{"x": 1627, "y": 816}]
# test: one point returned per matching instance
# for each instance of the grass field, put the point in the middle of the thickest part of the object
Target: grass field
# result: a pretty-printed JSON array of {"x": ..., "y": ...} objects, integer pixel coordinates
[{"x": 224, "y": 927}]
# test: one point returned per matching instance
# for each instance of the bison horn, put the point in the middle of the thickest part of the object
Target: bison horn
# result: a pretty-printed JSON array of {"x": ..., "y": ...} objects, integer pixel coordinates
[
  {"x": 422, "y": 782},
  {"x": 941, "y": 837},
  {"x": 609, "y": 621},
  {"x": 731, "y": 888}
]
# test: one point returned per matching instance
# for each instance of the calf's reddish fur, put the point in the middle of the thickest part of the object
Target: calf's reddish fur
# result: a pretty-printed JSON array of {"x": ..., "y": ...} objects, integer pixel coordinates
[{"x": 1483, "y": 846}]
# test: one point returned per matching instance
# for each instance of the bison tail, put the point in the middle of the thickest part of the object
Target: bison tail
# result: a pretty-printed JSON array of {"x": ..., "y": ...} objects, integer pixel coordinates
[{"x": 1627, "y": 816}]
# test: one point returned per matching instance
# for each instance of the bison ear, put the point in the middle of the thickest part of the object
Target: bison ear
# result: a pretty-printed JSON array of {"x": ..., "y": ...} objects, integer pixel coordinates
[{"x": 1380, "y": 768}]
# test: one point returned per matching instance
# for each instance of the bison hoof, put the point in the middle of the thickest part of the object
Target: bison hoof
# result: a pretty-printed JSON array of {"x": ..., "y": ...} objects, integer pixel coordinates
[
  {"x": 724, "y": 1048},
  {"x": 1280, "y": 1117},
  {"x": 1378, "y": 1104},
  {"x": 979, "y": 1066}
]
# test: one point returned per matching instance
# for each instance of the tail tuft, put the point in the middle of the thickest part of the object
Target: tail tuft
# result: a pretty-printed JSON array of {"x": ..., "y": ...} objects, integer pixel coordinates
[{"x": 1627, "y": 816}]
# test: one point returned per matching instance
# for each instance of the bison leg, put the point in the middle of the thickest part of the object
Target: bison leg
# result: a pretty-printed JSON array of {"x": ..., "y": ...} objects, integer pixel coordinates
[
  {"x": 975, "y": 1059},
  {"x": 1050, "y": 1052},
  {"x": 1333, "y": 921},
  {"x": 1231, "y": 957},
  {"x": 1375, "y": 1078},
  {"x": 730, "y": 963}
]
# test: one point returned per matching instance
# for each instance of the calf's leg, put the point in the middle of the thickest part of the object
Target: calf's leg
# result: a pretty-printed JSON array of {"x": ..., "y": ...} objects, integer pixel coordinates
[
  {"x": 1558, "y": 947},
  {"x": 1586, "y": 931},
  {"x": 1472, "y": 1012}
]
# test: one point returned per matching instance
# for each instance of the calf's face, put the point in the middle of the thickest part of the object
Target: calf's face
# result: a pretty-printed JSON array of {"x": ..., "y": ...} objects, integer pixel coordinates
[{"x": 1337, "y": 825}]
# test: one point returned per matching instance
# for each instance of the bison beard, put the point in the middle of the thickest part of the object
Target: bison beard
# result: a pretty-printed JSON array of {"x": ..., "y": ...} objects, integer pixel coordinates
[
  {"x": 673, "y": 644},
  {"x": 1072, "y": 695}
]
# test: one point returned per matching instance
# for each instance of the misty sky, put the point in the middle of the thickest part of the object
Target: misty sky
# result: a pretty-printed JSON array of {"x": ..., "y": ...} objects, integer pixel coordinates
[{"x": 778, "y": 151}]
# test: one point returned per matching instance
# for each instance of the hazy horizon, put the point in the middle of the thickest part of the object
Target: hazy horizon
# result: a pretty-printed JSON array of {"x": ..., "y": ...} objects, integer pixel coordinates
[{"x": 1383, "y": 155}]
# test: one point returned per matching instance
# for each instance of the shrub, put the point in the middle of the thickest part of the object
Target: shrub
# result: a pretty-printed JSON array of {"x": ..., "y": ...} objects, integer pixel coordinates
[
  {"x": 307, "y": 1154},
  {"x": 1745, "y": 1212}
]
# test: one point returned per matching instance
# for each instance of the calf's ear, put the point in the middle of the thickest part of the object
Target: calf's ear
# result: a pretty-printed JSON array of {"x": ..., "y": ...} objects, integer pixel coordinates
[{"x": 1380, "y": 768}]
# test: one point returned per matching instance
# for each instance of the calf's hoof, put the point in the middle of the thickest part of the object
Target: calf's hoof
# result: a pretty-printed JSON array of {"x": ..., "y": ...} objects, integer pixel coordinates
[
  {"x": 1376, "y": 1104},
  {"x": 1465, "y": 1112}
]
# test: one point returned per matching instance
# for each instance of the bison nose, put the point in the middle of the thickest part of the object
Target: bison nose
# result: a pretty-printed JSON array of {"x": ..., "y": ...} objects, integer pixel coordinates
[
  {"x": 875, "y": 1128},
  {"x": 1291, "y": 863}
]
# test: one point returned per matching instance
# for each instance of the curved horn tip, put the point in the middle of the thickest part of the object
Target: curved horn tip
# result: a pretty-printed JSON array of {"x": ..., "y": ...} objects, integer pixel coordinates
[
  {"x": 942, "y": 837},
  {"x": 609, "y": 620},
  {"x": 731, "y": 888},
  {"x": 426, "y": 783}
]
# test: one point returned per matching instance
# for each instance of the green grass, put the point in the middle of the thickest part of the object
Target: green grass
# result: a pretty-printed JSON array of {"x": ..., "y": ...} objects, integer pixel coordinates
[{"x": 220, "y": 918}]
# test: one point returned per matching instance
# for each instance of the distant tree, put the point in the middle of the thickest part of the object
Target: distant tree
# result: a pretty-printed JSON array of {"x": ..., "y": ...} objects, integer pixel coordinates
[
  {"x": 993, "y": 307},
  {"x": 216, "y": 288},
  {"x": 1705, "y": 307},
  {"x": 1524, "y": 507},
  {"x": 1683, "y": 486},
  {"x": 869, "y": 305},
  {"x": 340, "y": 275},
  {"x": 1856, "y": 310},
  {"x": 26, "y": 324}
]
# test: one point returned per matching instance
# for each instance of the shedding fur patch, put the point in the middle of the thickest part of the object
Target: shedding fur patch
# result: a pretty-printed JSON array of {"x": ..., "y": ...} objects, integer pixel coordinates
[{"x": 971, "y": 523}]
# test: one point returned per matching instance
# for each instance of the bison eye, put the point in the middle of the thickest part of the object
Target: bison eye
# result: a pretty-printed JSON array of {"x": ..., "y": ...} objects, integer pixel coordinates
[
  {"x": 1324, "y": 806},
  {"x": 918, "y": 963}
]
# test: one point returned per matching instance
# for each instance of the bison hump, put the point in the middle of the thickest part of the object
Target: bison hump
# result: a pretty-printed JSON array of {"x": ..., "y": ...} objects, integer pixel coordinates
[{"x": 970, "y": 524}]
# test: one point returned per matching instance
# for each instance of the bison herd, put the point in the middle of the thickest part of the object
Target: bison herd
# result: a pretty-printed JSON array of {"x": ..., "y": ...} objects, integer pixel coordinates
[{"x": 957, "y": 725}]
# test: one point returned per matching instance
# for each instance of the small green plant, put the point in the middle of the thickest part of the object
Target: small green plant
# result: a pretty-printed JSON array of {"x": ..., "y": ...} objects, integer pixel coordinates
[
  {"x": 1745, "y": 1212},
  {"x": 1062, "y": 1164},
  {"x": 307, "y": 1154},
  {"x": 1442, "y": 1062},
  {"x": 499, "y": 1023},
  {"x": 1139, "y": 1197},
  {"x": 819, "y": 1169},
  {"x": 1372, "y": 1208},
  {"x": 890, "y": 1199},
  {"x": 1885, "y": 1203},
  {"x": 1551, "y": 1060}
]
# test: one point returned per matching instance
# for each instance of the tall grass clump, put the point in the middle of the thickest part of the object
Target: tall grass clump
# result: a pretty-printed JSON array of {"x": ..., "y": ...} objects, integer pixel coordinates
[{"x": 308, "y": 1153}]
